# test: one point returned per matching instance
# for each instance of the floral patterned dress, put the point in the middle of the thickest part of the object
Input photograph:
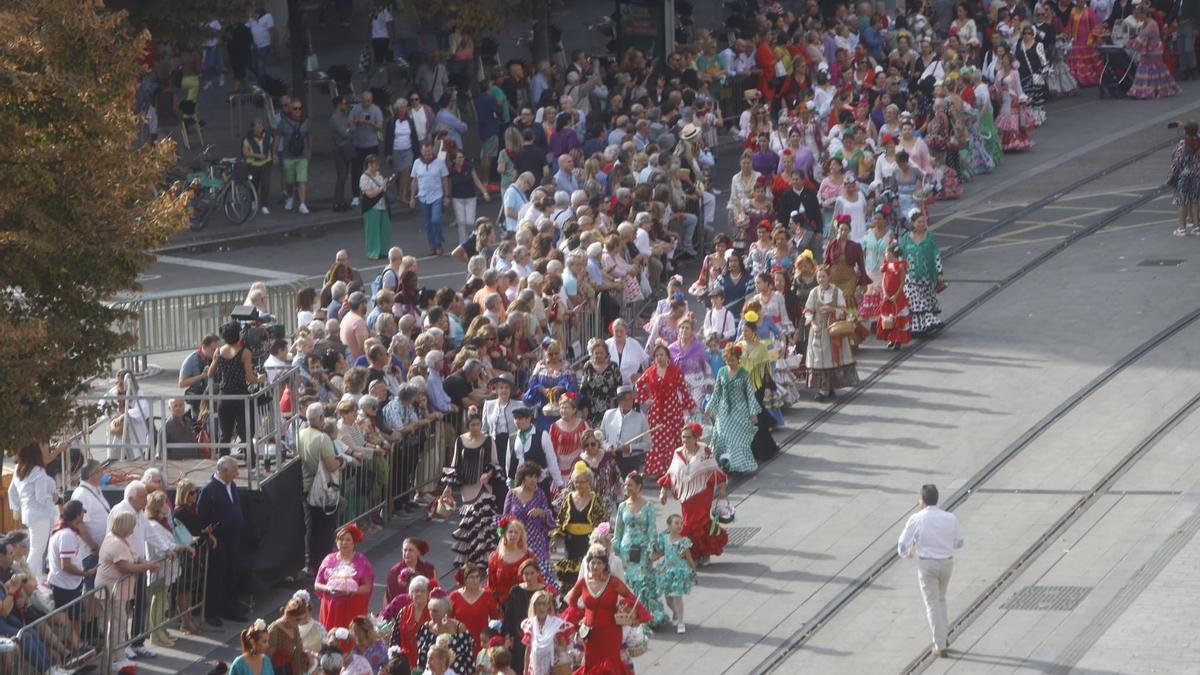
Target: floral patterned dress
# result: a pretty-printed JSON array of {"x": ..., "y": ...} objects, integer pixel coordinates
[
  {"x": 675, "y": 576},
  {"x": 606, "y": 479},
  {"x": 635, "y": 531},
  {"x": 599, "y": 390},
  {"x": 537, "y": 530},
  {"x": 668, "y": 399}
]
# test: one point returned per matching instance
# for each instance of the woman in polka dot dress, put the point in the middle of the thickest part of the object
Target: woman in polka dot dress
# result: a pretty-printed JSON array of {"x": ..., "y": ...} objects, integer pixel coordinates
[{"x": 663, "y": 388}]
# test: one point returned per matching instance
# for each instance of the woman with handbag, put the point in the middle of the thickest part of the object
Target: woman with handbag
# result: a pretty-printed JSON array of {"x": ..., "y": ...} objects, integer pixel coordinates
[
  {"x": 635, "y": 538},
  {"x": 695, "y": 480},
  {"x": 924, "y": 280},
  {"x": 829, "y": 358},
  {"x": 608, "y": 606},
  {"x": 894, "y": 317}
]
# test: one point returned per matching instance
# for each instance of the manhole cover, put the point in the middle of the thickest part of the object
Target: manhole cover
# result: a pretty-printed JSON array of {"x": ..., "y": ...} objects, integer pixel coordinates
[
  {"x": 740, "y": 535},
  {"x": 1162, "y": 262},
  {"x": 1048, "y": 598}
]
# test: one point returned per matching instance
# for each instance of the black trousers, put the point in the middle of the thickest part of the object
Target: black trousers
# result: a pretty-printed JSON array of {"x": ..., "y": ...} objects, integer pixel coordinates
[
  {"x": 318, "y": 535},
  {"x": 220, "y": 597},
  {"x": 356, "y": 166}
]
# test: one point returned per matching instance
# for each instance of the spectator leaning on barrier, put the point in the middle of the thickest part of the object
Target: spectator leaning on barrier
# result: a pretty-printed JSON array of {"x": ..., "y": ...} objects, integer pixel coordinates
[{"x": 193, "y": 374}]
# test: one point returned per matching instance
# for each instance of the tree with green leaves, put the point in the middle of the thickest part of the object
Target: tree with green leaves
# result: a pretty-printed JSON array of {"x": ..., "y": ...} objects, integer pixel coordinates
[{"x": 79, "y": 215}]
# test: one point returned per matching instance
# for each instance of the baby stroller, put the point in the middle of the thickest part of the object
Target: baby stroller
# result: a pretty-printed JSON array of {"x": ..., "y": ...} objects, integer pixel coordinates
[{"x": 1119, "y": 68}]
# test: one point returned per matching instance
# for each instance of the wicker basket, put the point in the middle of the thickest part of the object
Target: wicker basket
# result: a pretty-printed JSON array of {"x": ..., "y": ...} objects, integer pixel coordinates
[{"x": 841, "y": 329}]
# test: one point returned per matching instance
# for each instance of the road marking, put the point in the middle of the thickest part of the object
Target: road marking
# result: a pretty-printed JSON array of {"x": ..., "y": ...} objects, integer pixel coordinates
[{"x": 274, "y": 275}]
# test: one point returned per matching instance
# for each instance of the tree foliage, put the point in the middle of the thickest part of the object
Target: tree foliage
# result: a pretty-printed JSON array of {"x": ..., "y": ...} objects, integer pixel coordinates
[
  {"x": 78, "y": 213},
  {"x": 181, "y": 22}
]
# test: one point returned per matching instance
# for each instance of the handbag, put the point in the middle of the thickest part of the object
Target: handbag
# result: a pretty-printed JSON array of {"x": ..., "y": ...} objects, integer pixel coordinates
[
  {"x": 183, "y": 536},
  {"x": 888, "y": 321},
  {"x": 325, "y": 493},
  {"x": 635, "y": 554}
]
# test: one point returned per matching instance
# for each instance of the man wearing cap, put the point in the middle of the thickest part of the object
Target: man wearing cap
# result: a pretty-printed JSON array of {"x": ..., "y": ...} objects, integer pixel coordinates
[
  {"x": 622, "y": 423},
  {"x": 354, "y": 324},
  {"x": 527, "y": 444},
  {"x": 718, "y": 319},
  {"x": 498, "y": 412},
  {"x": 95, "y": 512}
]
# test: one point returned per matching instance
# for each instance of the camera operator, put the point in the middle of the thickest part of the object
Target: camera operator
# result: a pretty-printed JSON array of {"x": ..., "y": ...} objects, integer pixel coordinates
[
  {"x": 193, "y": 374},
  {"x": 232, "y": 369}
]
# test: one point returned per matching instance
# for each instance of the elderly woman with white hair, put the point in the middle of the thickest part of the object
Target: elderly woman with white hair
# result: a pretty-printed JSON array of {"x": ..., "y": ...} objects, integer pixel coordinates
[{"x": 461, "y": 642}]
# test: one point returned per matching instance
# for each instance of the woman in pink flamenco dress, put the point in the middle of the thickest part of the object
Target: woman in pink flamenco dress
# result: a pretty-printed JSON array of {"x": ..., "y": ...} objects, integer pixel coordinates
[
  {"x": 1153, "y": 80},
  {"x": 1013, "y": 120}
]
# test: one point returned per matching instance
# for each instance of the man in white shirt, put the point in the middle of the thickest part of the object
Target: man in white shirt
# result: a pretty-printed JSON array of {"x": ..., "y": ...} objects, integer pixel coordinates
[
  {"x": 515, "y": 200},
  {"x": 381, "y": 41},
  {"x": 623, "y": 423},
  {"x": 262, "y": 28},
  {"x": 932, "y": 536},
  {"x": 431, "y": 187},
  {"x": 95, "y": 509}
]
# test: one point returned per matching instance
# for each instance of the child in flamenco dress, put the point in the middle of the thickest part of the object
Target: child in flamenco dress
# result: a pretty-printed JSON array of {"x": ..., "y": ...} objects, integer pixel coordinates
[
  {"x": 676, "y": 568},
  {"x": 894, "y": 308},
  {"x": 1059, "y": 80}
]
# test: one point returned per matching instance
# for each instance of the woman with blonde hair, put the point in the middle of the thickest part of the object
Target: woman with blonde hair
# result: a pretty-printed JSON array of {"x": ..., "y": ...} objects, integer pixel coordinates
[
  {"x": 546, "y": 635},
  {"x": 580, "y": 511},
  {"x": 118, "y": 570},
  {"x": 367, "y": 643},
  {"x": 161, "y": 544},
  {"x": 504, "y": 564}
]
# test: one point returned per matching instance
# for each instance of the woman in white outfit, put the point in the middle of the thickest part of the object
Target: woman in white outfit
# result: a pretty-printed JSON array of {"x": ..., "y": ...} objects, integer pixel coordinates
[
  {"x": 35, "y": 494},
  {"x": 129, "y": 420}
]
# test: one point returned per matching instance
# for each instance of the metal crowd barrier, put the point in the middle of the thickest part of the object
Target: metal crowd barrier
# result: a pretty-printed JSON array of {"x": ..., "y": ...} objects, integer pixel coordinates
[
  {"x": 272, "y": 431},
  {"x": 93, "y": 630},
  {"x": 177, "y": 321}
]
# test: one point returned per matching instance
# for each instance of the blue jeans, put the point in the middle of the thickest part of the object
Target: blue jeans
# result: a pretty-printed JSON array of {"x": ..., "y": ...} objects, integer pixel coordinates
[
  {"x": 432, "y": 215},
  {"x": 32, "y": 647},
  {"x": 259, "y": 57},
  {"x": 212, "y": 64}
]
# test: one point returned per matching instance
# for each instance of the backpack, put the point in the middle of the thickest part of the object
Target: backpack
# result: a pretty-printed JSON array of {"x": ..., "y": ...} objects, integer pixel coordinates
[
  {"x": 295, "y": 141},
  {"x": 377, "y": 283}
]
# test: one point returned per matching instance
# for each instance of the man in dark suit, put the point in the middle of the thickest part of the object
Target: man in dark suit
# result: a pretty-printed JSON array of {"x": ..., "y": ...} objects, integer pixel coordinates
[
  {"x": 802, "y": 201},
  {"x": 220, "y": 507}
]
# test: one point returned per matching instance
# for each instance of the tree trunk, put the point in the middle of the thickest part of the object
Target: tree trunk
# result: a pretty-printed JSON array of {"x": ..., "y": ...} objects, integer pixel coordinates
[
  {"x": 298, "y": 50},
  {"x": 541, "y": 31}
]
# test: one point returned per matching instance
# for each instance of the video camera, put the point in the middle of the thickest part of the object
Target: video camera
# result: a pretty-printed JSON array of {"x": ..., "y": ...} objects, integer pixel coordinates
[{"x": 258, "y": 330}]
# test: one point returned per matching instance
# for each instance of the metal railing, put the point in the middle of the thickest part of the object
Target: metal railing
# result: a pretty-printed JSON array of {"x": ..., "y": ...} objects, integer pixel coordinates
[
  {"x": 94, "y": 629},
  {"x": 177, "y": 321},
  {"x": 147, "y": 421}
]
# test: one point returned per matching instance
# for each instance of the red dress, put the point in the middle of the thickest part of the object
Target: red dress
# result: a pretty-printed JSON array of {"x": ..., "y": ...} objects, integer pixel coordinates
[
  {"x": 893, "y": 284},
  {"x": 696, "y": 508},
  {"x": 669, "y": 398},
  {"x": 602, "y": 648},
  {"x": 565, "y": 449},
  {"x": 502, "y": 576},
  {"x": 404, "y": 634},
  {"x": 474, "y": 615},
  {"x": 337, "y": 611}
]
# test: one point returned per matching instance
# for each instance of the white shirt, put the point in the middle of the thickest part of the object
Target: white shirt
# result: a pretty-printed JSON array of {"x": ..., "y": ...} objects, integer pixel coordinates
[
  {"x": 642, "y": 241},
  {"x": 137, "y": 540},
  {"x": 619, "y": 428},
  {"x": 379, "y": 24},
  {"x": 720, "y": 321},
  {"x": 215, "y": 40},
  {"x": 96, "y": 508},
  {"x": 519, "y": 447},
  {"x": 66, "y": 543},
  {"x": 260, "y": 29},
  {"x": 34, "y": 496},
  {"x": 402, "y": 139},
  {"x": 429, "y": 180},
  {"x": 275, "y": 367},
  {"x": 630, "y": 361},
  {"x": 930, "y": 533}
]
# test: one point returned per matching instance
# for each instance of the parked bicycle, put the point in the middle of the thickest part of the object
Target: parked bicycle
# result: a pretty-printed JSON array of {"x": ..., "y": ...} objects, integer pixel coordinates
[{"x": 225, "y": 184}]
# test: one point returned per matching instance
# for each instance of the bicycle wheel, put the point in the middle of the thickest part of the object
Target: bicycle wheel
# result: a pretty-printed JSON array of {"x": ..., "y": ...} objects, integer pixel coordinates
[
  {"x": 202, "y": 207},
  {"x": 241, "y": 200}
]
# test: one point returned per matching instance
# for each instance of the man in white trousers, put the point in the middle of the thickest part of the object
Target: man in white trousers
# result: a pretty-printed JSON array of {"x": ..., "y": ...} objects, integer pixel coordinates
[{"x": 932, "y": 536}]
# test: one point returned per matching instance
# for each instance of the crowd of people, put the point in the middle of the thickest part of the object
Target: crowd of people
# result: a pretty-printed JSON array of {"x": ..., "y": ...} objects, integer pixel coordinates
[{"x": 499, "y": 405}]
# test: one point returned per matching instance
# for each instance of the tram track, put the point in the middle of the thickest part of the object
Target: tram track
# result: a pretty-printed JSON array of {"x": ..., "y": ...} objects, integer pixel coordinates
[
  {"x": 1085, "y": 502},
  {"x": 855, "y": 587}
]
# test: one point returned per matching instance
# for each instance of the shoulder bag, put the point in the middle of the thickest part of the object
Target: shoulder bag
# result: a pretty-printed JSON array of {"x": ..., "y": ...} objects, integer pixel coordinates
[{"x": 325, "y": 493}]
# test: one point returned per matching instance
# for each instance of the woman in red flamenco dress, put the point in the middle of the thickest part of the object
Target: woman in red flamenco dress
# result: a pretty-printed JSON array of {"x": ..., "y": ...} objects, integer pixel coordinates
[
  {"x": 663, "y": 387},
  {"x": 602, "y": 594},
  {"x": 895, "y": 302},
  {"x": 694, "y": 479}
]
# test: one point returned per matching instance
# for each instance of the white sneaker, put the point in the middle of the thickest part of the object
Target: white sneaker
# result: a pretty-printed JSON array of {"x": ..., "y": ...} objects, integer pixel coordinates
[
  {"x": 288, "y": 204},
  {"x": 303, "y": 209},
  {"x": 1180, "y": 232},
  {"x": 130, "y": 654},
  {"x": 265, "y": 211},
  {"x": 145, "y": 652},
  {"x": 680, "y": 629},
  {"x": 354, "y": 202}
]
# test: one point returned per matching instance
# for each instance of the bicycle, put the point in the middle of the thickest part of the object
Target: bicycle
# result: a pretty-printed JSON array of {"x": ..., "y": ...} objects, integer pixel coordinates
[{"x": 225, "y": 183}]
